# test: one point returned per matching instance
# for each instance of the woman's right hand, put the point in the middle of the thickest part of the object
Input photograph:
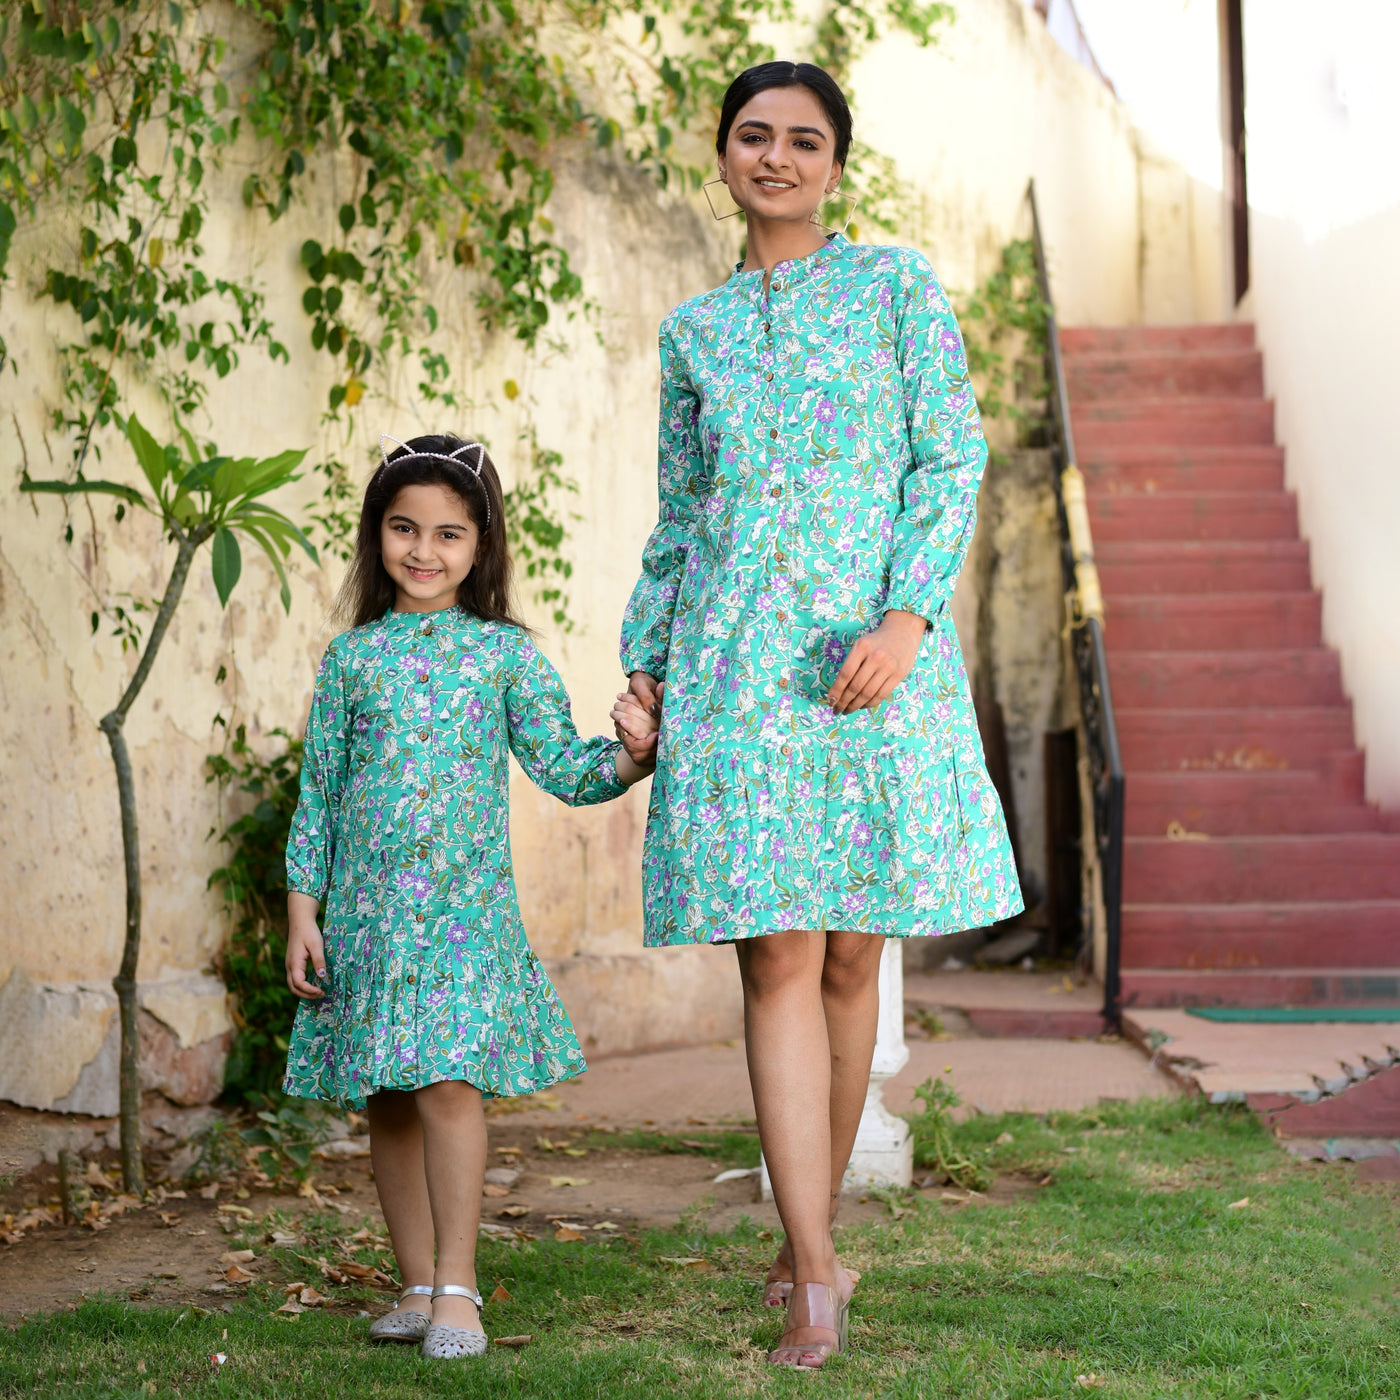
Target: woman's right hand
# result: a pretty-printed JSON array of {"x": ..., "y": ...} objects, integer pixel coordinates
[
  {"x": 647, "y": 689},
  {"x": 304, "y": 944}
]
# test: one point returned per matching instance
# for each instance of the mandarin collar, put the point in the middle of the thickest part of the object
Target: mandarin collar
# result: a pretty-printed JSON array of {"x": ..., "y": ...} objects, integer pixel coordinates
[
  {"x": 423, "y": 623},
  {"x": 793, "y": 270}
]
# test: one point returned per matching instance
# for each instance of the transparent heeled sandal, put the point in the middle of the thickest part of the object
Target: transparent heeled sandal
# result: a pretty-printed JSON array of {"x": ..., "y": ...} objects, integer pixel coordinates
[
  {"x": 443, "y": 1343},
  {"x": 402, "y": 1325},
  {"x": 821, "y": 1308}
]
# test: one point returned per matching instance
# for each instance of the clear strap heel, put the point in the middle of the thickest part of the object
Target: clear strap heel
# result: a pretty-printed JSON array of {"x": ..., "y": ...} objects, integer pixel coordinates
[
  {"x": 443, "y": 1343},
  {"x": 818, "y": 1307},
  {"x": 408, "y": 1325}
]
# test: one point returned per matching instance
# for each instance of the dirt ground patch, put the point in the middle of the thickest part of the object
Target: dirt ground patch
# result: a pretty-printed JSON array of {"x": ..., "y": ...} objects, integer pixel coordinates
[{"x": 167, "y": 1253}]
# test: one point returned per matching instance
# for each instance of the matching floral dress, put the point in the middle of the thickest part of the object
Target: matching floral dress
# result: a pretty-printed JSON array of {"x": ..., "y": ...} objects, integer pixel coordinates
[
  {"x": 820, "y": 452},
  {"x": 402, "y": 832}
]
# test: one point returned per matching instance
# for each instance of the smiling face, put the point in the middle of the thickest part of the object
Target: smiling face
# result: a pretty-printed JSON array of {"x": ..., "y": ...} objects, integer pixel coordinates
[
  {"x": 779, "y": 159},
  {"x": 428, "y": 542}
]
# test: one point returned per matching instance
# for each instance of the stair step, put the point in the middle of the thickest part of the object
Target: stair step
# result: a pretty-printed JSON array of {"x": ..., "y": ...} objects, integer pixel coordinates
[
  {"x": 1245, "y": 802},
  {"x": 1202, "y": 566},
  {"x": 1137, "y": 375},
  {"x": 1191, "y": 622},
  {"x": 1238, "y": 471},
  {"x": 1300, "y": 986},
  {"x": 1121, "y": 340},
  {"x": 1262, "y": 869},
  {"x": 1204, "y": 515},
  {"x": 1361, "y": 933},
  {"x": 1185, "y": 739},
  {"x": 1173, "y": 422},
  {"x": 1223, "y": 679}
]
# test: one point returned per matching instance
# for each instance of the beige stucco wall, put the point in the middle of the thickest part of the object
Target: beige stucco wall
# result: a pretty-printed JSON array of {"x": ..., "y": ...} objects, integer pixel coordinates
[
  {"x": 967, "y": 121},
  {"x": 1322, "y": 112}
]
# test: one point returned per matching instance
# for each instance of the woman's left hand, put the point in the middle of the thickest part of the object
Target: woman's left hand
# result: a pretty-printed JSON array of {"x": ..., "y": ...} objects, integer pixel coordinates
[{"x": 877, "y": 663}]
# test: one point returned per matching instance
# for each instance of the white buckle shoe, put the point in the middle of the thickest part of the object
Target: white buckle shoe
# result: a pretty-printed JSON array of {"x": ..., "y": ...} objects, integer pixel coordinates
[
  {"x": 443, "y": 1343},
  {"x": 407, "y": 1326}
]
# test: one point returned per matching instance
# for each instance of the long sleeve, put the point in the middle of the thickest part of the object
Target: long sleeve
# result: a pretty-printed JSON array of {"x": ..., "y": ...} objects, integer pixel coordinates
[
  {"x": 934, "y": 526},
  {"x": 325, "y": 765},
  {"x": 682, "y": 483},
  {"x": 540, "y": 727}
]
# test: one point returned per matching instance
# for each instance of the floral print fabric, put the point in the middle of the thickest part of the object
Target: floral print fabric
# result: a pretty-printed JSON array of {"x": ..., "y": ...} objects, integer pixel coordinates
[
  {"x": 402, "y": 831},
  {"x": 820, "y": 452}
]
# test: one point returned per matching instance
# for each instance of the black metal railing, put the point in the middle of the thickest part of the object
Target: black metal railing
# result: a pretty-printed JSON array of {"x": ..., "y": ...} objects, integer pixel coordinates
[{"x": 1084, "y": 601}]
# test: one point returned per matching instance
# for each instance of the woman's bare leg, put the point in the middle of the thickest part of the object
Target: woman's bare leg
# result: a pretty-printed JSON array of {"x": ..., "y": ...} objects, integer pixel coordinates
[
  {"x": 790, "y": 1071},
  {"x": 396, "y": 1152},
  {"x": 454, "y": 1159},
  {"x": 851, "y": 1005}
]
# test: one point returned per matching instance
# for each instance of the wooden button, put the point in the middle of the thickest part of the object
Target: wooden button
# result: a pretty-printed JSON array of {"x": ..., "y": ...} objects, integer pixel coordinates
[
  {"x": 422, "y": 792},
  {"x": 766, "y": 326},
  {"x": 787, "y": 748},
  {"x": 777, "y": 490},
  {"x": 423, "y": 735},
  {"x": 777, "y": 286},
  {"x": 782, "y": 682},
  {"x": 769, "y": 377},
  {"x": 782, "y": 616},
  {"x": 772, "y": 432}
]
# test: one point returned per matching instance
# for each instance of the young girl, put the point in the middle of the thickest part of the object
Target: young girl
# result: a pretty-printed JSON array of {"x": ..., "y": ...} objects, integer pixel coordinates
[{"x": 427, "y": 996}]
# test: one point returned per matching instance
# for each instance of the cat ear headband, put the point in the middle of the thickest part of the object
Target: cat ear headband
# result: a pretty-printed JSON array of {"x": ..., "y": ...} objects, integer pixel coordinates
[{"x": 455, "y": 457}]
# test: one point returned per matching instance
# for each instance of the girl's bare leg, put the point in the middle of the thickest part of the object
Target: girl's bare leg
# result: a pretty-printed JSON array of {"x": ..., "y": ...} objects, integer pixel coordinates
[
  {"x": 396, "y": 1152},
  {"x": 454, "y": 1158},
  {"x": 850, "y": 992}
]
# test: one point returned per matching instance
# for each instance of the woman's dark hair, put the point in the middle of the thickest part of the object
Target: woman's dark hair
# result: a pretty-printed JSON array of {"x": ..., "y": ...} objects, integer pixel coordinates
[
  {"x": 783, "y": 74},
  {"x": 485, "y": 592}
]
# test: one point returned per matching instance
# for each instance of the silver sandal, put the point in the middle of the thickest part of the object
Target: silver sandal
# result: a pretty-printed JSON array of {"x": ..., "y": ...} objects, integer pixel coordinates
[
  {"x": 443, "y": 1343},
  {"x": 407, "y": 1326}
]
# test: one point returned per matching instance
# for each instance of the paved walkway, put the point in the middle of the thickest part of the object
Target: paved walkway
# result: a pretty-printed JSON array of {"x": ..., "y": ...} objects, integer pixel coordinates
[{"x": 710, "y": 1085}]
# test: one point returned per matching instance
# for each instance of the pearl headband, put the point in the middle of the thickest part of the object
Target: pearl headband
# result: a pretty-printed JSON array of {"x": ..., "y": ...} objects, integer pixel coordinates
[{"x": 454, "y": 457}]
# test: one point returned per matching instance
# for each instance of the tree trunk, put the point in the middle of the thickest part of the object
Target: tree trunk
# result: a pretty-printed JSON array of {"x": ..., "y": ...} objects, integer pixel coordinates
[{"x": 129, "y": 1072}]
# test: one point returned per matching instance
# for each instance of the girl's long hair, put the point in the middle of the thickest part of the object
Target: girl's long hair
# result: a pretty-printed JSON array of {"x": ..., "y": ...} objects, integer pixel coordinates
[{"x": 486, "y": 592}]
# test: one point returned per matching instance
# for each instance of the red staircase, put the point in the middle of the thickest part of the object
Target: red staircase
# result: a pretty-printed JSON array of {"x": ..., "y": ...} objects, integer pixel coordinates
[{"x": 1278, "y": 884}]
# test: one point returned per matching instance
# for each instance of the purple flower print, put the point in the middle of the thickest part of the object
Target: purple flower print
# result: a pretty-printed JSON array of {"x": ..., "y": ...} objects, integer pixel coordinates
[
  {"x": 921, "y": 571},
  {"x": 834, "y": 651},
  {"x": 411, "y": 882},
  {"x": 853, "y": 902},
  {"x": 862, "y": 834},
  {"x": 458, "y": 932},
  {"x": 826, "y": 411}
]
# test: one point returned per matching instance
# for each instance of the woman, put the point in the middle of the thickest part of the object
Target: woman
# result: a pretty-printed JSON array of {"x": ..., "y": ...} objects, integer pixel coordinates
[{"x": 820, "y": 785}]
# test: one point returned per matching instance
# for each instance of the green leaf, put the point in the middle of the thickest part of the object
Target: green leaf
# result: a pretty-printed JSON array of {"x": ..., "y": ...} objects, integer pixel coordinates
[
  {"x": 228, "y": 563},
  {"x": 270, "y": 549},
  {"x": 82, "y": 486},
  {"x": 149, "y": 453}
]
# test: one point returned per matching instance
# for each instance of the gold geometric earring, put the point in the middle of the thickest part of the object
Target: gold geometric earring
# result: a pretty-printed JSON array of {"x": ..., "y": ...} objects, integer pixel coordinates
[
  {"x": 832, "y": 196},
  {"x": 709, "y": 199}
]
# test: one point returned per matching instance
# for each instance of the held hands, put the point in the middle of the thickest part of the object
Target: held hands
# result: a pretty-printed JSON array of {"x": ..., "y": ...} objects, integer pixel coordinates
[
  {"x": 877, "y": 663},
  {"x": 638, "y": 726},
  {"x": 304, "y": 944}
]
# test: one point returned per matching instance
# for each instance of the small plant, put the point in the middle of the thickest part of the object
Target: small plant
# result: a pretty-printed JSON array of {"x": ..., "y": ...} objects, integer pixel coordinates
[
  {"x": 253, "y": 882},
  {"x": 286, "y": 1136},
  {"x": 934, "y": 1135},
  {"x": 220, "y": 1152}
]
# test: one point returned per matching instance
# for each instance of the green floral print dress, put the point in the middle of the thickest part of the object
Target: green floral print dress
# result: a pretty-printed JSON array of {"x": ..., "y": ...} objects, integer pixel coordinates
[
  {"x": 820, "y": 452},
  {"x": 402, "y": 832}
]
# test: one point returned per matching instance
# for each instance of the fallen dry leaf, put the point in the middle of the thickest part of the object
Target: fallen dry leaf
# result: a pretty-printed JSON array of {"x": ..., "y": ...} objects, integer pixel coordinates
[
  {"x": 1091, "y": 1381},
  {"x": 284, "y": 1238},
  {"x": 367, "y": 1272},
  {"x": 688, "y": 1262},
  {"x": 491, "y": 1189},
  {"x": 606, "y": 1225},
  {"x": 574, "y": 1151},
  {"x": 168, "y": 1218},
  {"x": 567, "y": 1235},
  {"x": 570, "y": 1181},
  {"x": 209, "y": 1192},
  {"x": 500, "y": 1295},
  {"x": 228, "y": 1208},
  {"x": 1238, "y": 1205},
  {"x": 513, "y": 1212},
  {"x": 234, "y": 1274},
  {"x": 513, "y": 1341},
  {"x": 310, "y": 1298},
  {"x": 291, "y": 1306},
  {"x": 509, "y": 1151},
  {"x": 237, "y": 1256}
]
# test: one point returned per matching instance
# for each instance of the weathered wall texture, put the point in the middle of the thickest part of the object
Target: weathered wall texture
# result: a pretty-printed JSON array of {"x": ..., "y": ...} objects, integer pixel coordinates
[
  {"x": 1322, "y": 110},
  {"x": 968, "y": 122}
]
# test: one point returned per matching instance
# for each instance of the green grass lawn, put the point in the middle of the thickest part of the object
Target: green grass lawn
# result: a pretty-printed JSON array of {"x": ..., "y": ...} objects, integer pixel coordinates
[{"x": 1129, "y": 1267}]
